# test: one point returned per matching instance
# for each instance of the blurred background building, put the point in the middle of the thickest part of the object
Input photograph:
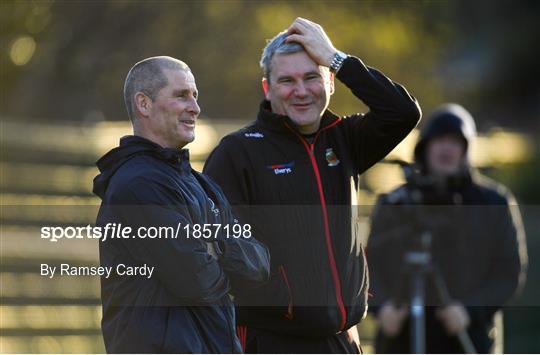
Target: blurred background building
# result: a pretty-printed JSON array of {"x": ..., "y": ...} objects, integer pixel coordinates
[{"x": 62, "y": 67}]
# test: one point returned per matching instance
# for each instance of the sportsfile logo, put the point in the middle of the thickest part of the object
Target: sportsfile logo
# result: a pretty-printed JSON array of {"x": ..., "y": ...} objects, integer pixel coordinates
[{"x": 279, "y": 169}]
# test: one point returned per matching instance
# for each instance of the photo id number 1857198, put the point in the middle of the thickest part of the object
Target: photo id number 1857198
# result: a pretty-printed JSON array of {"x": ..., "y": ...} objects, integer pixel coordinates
[{"x": 216, "y": 231}]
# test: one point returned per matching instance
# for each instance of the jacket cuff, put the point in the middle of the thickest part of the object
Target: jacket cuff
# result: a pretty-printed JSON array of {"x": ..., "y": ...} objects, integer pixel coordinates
[{"x": 350, "y": 68}]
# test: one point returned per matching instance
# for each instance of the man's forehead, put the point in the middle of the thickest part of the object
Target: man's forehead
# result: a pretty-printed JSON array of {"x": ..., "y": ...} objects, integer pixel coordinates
[
  {"x": 179, "y": 77},
  {"x": 294, "y": 62},
  {"x": 449, "y": 137}
]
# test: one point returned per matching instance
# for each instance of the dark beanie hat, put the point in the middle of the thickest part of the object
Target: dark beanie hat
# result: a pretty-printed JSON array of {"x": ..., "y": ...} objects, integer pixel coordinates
[{"x": 446, "y": 119}]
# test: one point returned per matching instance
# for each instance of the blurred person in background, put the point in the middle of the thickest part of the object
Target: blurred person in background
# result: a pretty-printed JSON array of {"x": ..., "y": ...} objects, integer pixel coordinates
[
  {"x": 477, "y": 245},
  {"x": 148, "y": 182},
  {"x": 290, "y": 175}
]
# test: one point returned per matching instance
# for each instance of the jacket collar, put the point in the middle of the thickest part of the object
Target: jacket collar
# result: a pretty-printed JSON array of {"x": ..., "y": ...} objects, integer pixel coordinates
[
  {"x": 131, "y": 146},
  {"x": 278, "y": 123},
  {"x": 175, "y": 156}
]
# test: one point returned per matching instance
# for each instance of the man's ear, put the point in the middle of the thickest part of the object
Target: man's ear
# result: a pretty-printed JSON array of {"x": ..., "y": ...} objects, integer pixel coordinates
[
  {"x": 331, "y": 83},
  {"x": 265, "y": 85},
  {"x": 143, "y": 104}
]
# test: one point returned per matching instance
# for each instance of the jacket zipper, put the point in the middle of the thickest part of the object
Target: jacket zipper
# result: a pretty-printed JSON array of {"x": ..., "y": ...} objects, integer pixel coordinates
[
  {"x": 289, "y": 314},
  {"x": 329, "y": 247}
]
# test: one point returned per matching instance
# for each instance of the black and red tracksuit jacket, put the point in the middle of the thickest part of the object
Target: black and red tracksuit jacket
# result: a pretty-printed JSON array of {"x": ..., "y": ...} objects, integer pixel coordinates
[{"x": 296, "y": 194}]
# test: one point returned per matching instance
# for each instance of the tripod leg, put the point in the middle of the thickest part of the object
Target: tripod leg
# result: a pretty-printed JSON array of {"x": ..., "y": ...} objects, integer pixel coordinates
[
  {"x": 417, "y": 312},
  {"x": 444, "y": 295},
  {"x": 466, "y": 342}
]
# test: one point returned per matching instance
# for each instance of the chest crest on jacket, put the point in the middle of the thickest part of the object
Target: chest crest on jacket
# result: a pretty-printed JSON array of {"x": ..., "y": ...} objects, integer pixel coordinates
[
  {"x": 213, "y": 207},
  {"x": 331, "y": 157}
]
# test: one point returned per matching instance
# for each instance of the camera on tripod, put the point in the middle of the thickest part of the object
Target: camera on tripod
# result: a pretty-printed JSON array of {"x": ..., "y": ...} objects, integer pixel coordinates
[
  {"x": 428, "y": 203},
  {"x": 426, "y": 189}
]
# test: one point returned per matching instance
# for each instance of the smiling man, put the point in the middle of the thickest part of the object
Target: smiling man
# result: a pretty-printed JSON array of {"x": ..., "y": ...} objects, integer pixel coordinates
[
  {"x": 290, "y": 174},
  {"x": 183, "y": 305}
]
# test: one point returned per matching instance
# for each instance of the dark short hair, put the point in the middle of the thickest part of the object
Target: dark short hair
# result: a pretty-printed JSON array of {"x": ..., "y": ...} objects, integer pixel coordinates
[{"x": 147, "y": 77}]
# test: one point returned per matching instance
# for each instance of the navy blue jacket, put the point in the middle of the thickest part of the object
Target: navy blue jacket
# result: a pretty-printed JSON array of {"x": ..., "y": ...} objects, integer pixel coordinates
[{"x": 186, "y": 305}]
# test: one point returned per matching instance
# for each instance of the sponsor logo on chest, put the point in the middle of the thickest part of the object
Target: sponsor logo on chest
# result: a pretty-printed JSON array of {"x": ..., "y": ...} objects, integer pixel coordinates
[{"x": 285, "y": 168}]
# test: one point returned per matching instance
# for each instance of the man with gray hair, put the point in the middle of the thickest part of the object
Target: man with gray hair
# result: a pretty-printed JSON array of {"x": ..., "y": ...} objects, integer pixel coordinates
[
  {"x": 290, "y": 175},
  {"x": 146, "y": 184}
]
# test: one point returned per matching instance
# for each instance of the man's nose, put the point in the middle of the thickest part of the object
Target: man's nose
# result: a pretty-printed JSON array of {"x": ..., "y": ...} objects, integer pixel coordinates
[
  {"x": 194, "y": 107},
  {"x": 300, "y": 89}
]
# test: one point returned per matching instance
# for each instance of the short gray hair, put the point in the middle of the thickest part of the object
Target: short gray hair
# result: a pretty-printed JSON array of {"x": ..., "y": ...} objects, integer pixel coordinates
[
  {"x": 277, "y": 45},
  {"x": 147, "y": 77}
]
